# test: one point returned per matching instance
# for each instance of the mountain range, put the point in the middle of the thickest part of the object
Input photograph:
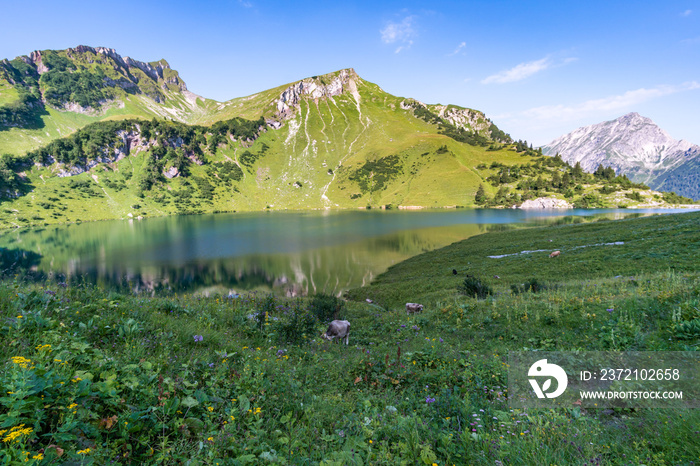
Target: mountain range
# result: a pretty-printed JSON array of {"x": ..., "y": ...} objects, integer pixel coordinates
[
  {"x": 636, "y": 146},
  {"x": 88, "y": 134}
]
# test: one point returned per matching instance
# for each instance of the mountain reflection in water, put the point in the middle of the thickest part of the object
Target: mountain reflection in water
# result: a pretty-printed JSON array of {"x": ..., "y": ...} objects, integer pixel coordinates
[{"x": 295, "y": 253}]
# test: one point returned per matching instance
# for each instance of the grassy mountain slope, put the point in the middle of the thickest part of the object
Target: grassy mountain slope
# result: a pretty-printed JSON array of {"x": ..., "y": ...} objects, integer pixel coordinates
[
  {"x": 353, "y": 146},
  {"x": 601, "y": 250},
  {"x": 330, "y": 141},
  {"x": 51, "y": 93}
]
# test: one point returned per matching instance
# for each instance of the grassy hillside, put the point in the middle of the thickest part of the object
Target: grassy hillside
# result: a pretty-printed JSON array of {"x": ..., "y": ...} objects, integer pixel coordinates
[
  {"x": 92, "y": 376},
  {"x": 360, "y": 148},
  {"x": 602, "y": 250},
  {"x": 52, "y": 93}
]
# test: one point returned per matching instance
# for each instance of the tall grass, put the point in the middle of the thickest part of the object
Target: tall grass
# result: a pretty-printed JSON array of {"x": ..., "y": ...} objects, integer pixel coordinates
[{"x": 96, "y": 377}]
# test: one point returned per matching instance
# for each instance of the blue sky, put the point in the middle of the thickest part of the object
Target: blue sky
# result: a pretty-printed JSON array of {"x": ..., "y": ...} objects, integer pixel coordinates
[{"x": 537, "y": 69}]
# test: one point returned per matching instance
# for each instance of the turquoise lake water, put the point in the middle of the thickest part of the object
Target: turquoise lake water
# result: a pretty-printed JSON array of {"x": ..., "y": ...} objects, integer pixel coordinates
[{"x": 292, "y": 253}]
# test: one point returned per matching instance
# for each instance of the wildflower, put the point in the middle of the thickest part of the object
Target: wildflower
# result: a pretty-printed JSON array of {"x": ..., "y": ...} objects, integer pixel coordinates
[
  {"x": 38, "y": 456},
  {"x": 21, "y": 361},
  {"x": 441, "y": 340},
  {"x": 16, "y": 432},
  {"x": 257, "y": 411},
  {"x": 430, "y": 400},
  {"x": 72, "y": 405},
  {"x": 84, "y": 452},
  {"x": 210, "y": 439},
  {"x": 609, "y": 310},
  {"x": 198, "y": 338},
  {"x": 210, "y": 409}
]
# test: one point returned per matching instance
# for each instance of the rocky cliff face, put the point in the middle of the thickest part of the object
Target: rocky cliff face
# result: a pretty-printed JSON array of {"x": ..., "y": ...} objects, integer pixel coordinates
[
  {"x": 633, "y": 145},
  {"x": 316, "y": 88},
  {"x": 108, "y": 71},
  {"x": 465, "y": 118}
]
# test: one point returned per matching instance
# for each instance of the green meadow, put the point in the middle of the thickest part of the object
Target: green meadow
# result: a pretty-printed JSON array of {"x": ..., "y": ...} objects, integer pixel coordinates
[{"x": 91, "y": 376}]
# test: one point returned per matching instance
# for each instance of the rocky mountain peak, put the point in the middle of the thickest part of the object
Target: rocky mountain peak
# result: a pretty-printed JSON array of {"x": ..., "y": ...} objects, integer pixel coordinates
[
  {"x": 631, "y": 144},
  {"x": 317, "y": 87},
  {"x": 158, "y": 71}
]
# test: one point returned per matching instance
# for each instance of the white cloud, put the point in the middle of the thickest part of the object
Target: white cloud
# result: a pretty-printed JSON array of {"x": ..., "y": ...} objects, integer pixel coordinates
[
  {"x": 245, "y": 3},
  {"x": 525, "y": 70},
  {"x": 687, "y": 13},
  {"x": 694, "y": 40},
  {"x": 459, "y": 48},
  {"x": 622, "y": 102},
  {"x": 519, "y": 72},
  {"x": 401, "y": 33}
]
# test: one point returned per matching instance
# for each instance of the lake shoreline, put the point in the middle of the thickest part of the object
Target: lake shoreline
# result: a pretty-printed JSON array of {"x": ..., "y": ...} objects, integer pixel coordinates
[
  {"x": 15, "y": 227},
  {"x": 291, "y": 252}
]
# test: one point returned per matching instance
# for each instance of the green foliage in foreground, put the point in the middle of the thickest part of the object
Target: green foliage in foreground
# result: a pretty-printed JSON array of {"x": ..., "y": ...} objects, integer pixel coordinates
[{"x": 97, "y": 376}]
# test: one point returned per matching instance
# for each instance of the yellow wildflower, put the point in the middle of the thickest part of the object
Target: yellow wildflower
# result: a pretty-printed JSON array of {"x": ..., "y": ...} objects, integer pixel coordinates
[
  {"x": 210, "y": 409},
  {"x": 16, "y": 432},
  {"x": 84, "y": 452},
  {"x": 21, "y": 361}
]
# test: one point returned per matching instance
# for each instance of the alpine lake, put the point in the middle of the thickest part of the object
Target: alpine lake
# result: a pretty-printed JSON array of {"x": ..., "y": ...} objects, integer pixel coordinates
[{"x": 288, "y": 253}]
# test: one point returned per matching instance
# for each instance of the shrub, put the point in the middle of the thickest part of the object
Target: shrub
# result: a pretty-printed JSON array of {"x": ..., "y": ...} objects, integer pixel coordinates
[
  {"x": 635, "y": 196},
  {"x": 475, "y": 288},
  {"x": 326, "y": 307},
  {"x": 530, "y": 285},
  {"x": 296, "y": 324},
  {"x": 688, "y": 330},
  {"x": 264, "y": 311}
]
